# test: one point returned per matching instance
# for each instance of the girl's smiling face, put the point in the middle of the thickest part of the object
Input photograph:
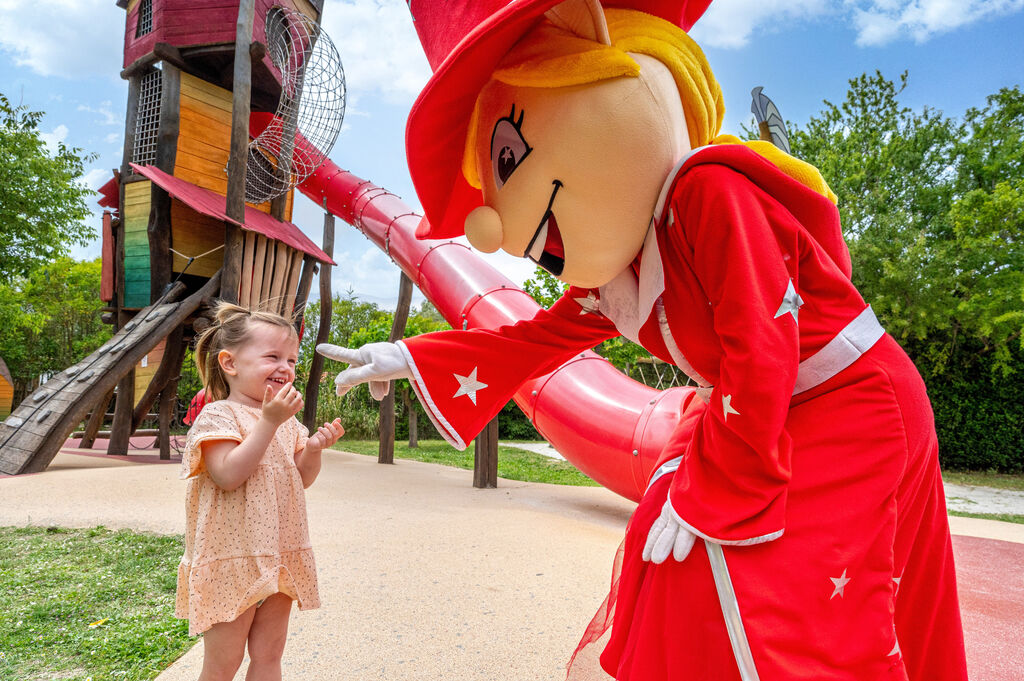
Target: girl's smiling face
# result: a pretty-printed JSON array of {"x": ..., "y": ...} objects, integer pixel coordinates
[{"x": 266, "y": 359}]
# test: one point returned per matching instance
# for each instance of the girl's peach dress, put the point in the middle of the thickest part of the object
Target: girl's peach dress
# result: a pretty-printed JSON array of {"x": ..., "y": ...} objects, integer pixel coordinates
[{"x": 252, "y": 542}]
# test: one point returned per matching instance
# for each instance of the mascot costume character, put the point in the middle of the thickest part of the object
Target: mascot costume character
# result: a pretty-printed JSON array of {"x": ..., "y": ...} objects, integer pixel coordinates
[{"x": 796, "y": 527}]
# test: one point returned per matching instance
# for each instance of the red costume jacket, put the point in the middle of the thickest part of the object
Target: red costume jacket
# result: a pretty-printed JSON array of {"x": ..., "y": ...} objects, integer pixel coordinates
[{"x": 811, "y": 428}]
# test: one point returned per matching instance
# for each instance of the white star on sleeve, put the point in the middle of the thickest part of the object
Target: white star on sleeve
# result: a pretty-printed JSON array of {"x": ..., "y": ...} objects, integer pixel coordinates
[
  {"x": 727, "y": 407},
  {"x": 589, "y": 304},
  {"x": 840, "y": 583},
  {"x": 791, "y": 302},
  {"x": 468, "y": 385}
]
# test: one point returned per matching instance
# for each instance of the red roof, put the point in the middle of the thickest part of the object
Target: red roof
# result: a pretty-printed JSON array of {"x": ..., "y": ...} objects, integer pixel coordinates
[
  {"x": 110, "y": 193},
  {"x": 213, "y": 204}
]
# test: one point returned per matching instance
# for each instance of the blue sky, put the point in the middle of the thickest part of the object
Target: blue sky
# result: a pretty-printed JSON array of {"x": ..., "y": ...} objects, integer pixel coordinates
[{"x": 63, "y": 57}]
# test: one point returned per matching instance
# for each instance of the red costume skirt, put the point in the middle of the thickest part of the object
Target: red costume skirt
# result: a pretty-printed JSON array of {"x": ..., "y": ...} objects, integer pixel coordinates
[{"x": 861, "y": 585}]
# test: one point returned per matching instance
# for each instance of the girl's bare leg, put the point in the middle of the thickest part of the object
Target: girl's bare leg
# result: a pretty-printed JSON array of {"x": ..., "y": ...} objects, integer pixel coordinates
[
  {"x": 224, "y": 647},
  {"x": 267, "y": 637}
]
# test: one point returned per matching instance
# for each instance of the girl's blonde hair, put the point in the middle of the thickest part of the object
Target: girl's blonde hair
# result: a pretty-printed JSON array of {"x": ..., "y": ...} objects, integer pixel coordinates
[
  {"x": 229, "y": 330},
  {"x": 552, "y": 57}
]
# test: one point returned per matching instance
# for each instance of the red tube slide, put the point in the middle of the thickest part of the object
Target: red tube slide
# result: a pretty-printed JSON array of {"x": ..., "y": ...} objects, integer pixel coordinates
[{"x": 604, "y": 423}]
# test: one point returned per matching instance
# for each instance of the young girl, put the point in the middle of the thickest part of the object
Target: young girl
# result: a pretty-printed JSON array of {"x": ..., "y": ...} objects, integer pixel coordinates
[{"x": 247, "y": 460}]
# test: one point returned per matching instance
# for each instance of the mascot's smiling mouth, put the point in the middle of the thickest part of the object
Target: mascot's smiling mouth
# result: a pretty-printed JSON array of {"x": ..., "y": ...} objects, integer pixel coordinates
[{"x": 545, "y": 248}]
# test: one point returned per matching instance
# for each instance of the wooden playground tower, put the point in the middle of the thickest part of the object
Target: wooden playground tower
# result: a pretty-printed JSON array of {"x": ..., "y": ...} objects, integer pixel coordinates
[{"x": 179, "y": 231}]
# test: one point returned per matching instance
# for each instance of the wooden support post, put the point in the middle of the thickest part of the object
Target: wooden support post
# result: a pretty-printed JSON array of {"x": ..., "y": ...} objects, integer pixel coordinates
[
  {"x": 386, "y": 448},
  {"x": 302, "y": 294},
  {"x": 290, "y": 290},
  {"x": 316, "y": 366},
  {"x": 259, "y": 260},
  {"x": 159, "y": 229},
  {"x": 121, "y": 429},
  {"x": 485, "y": 456},
  {"x": 248, "y": 253},
  {"x": 410, "y": 410},
  {"x": 168, "y": 400},
  {"x": 92, "y": 428},
  {"x": 237, "y": 161}
]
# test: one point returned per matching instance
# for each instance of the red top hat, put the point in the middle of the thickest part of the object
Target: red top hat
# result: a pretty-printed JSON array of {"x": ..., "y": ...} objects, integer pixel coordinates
[{"x": 464, "y": 40}]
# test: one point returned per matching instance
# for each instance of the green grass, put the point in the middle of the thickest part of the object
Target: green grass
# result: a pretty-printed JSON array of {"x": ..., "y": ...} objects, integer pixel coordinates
[
  {"x": 87, "y": 604},
  {"x": 1002, "y": 517},
  {"x": 985, "y": 479},
  {"x": 513, "y": 463}
]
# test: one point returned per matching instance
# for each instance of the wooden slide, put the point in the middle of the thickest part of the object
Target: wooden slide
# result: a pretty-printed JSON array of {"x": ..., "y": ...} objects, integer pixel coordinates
[{"x": 33, "y": 434}]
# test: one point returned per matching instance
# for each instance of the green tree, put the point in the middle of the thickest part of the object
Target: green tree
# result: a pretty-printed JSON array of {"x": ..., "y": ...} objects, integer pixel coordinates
[
  {"x": 933, "y": 212},
  {"x": 51, "y": 319},
  {"x": 43, "y": 204}
]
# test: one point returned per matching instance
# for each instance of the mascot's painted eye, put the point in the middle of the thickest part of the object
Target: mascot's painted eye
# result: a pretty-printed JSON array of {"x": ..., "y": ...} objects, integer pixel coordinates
[{"x": 508, "y": 148}]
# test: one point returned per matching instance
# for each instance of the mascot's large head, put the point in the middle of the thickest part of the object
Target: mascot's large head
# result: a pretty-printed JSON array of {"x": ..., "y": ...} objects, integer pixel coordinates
[{"x": 548, "y": 128}]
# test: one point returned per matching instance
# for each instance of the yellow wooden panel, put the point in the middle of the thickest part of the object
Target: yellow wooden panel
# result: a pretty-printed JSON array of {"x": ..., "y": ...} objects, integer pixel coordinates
[
  {"x": 133, "y": 191},
  {"x": 145, "y": 369},
  {"x": 204, "y": 110},
  {"x": 306, "y": 8},
  {"x": 218, "y": 125},
  {"x": 190, "y": 83},
  {"x": 188, "y": 144},
  {"x": 136, "y": 211},
  {"x": 206, "y": 173},
  {"x": 195, "y": 88},
  {"x": 217, "y": 184},
  {"x": 132, "y": 3},
  {"x": 194, "y": 234}
]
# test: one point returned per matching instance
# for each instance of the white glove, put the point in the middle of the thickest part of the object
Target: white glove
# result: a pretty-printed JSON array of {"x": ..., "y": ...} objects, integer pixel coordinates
[
  {"x": 668, "y": 536},
  {"x": 376, "y": 363}
]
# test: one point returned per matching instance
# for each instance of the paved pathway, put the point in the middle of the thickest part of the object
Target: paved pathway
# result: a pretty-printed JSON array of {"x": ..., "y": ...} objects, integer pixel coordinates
[
  {"x": 424, "y": 577},
  {"x": 964, "y": 498}
]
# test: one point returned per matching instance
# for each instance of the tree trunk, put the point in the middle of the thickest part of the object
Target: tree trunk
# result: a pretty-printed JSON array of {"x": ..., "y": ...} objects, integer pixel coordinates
[{"x": 410, "y": 409}]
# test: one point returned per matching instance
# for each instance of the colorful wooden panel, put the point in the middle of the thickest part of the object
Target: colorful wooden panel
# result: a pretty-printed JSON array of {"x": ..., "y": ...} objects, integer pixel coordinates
[
  {"x": 204, "y": 134},
  {"x": 193, "y": 234},
  {"x": 137, "y": 198},
  {"x": 146, "y": 367},
  {"x": 6, "y": 398}
]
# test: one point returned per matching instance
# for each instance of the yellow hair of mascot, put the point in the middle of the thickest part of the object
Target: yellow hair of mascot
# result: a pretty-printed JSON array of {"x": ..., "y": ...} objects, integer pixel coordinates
[{"x": 550, "y": 57}]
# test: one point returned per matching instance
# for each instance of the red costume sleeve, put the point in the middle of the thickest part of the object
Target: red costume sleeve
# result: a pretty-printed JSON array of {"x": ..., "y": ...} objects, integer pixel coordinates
[
  {"x": 464, "y": 378},
  {"x": 731, "y": 486}
]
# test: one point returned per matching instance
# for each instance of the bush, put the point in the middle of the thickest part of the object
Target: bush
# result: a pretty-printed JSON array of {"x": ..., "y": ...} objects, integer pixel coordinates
[{"x": 980, "y": 418}]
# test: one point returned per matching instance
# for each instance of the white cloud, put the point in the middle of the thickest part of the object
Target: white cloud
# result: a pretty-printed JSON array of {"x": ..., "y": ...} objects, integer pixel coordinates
[
  {"x": 112, "y": 138},
  {"x": 53, "y": 139},
  {"x": 69, "y": 38},
  {"x": 732, "y": 23},
  {"x": 378, "y": 46},
  {"x": 879, "y": 22},
  {"x": 107, "y": 116},
  {"x": 96, "y": 178}
]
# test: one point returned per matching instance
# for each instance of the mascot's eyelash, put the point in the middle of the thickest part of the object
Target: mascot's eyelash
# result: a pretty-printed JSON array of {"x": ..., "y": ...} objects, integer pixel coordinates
[{"x": 512, "y": 118}]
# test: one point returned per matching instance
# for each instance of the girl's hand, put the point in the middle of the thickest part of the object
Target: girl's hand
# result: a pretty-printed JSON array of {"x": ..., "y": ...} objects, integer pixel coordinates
[
  {"x": 279, "y": 408},
  {"x": 326, "y": 435}
]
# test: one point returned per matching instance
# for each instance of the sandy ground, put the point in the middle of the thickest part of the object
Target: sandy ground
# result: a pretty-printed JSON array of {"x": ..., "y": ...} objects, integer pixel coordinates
[{"x": 422, "y": 576}]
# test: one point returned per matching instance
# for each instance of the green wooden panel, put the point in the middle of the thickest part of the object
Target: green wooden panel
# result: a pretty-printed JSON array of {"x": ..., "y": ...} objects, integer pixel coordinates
[{"x": 137, "y": 250}]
